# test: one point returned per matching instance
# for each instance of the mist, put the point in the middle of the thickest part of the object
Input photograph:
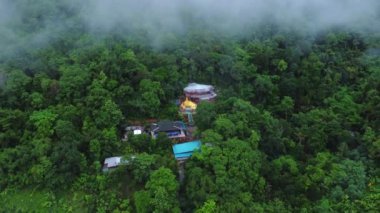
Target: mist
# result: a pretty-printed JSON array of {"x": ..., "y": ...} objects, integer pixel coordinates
[
  {"x": 45, "y": 20},
  {"x": 232, "y": 16},
  {"x": 2, "y": 79}
]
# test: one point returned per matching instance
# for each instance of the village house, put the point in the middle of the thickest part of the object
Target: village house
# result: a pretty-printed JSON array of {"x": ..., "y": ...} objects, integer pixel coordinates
[{"x": 173, "y": 129}]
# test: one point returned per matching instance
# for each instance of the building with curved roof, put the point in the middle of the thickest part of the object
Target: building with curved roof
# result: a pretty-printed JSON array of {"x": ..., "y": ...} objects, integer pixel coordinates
[{"x": 200, "y": 92}]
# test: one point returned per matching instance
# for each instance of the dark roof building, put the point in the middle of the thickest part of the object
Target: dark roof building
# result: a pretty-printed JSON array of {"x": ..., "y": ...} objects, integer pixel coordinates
[{"x": 173, "y": 129}]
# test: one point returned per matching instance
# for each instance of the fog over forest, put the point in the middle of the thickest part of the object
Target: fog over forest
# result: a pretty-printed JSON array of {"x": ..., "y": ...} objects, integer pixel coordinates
[
  {"x": 233, "y": 15},
  {"x": 162, "y": 17}
]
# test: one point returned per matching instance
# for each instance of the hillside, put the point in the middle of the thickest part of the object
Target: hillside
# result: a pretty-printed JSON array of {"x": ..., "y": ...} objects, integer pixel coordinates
[{"x": 294, "y": 126}]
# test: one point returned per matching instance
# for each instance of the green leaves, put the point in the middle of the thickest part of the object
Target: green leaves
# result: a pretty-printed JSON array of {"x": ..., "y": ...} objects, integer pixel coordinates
[
  {"x": 372, "y": 142},
  {"x": 142, "y": 200},
  {"x": 151, "y": 95},
  {"x": 72, "y": 83},
  {"x": 160, "y": 194},
  {"x": 294, "y": 127},
  {"x": 225, "y": 127},
  {"x": 12, "y": 124},
  {"x": 206, "y": 113},
  {"x": 225, "y": 171},
  {"x": 163, "y": 177},
  {"x": 142, "y": 166},
  {"x": 17, "y": 88},
  {"x": 109, "y": 115},
  {"x": 282, "y": 65},
  {"x": 37, "y": 100},
  {"x": 315, "y": 129},
  {"x": 43, "y": 121},
  {"x": 342, "y": 103}
]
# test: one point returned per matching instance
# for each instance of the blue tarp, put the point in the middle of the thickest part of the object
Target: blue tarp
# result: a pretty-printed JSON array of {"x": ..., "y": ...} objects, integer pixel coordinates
[{"x": 185, "y": 150}]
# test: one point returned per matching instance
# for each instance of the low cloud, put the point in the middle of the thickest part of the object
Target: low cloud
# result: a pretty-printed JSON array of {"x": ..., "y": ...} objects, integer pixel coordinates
[
  {"x": 33, "y": 23},
  {"x": 174, "y": 15}
]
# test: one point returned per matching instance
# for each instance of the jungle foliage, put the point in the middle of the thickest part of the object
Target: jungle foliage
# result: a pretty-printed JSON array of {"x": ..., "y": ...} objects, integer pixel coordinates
[{"x": 295, "y": 126}]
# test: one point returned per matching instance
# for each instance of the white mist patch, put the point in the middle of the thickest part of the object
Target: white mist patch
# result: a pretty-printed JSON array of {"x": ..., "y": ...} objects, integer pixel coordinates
[
  {"x": 171, "y": 15},
  {"x": 31, "y": 24}
]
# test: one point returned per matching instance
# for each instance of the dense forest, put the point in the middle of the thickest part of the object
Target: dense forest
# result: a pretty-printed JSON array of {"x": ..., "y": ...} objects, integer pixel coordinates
[{"x": 295, "y": 126}]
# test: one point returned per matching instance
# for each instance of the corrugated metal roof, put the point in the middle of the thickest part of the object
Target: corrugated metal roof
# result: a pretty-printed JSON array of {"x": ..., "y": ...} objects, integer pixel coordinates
[
  {"x": 112, "y": 161},
  {"x": 185, "y": 150}
]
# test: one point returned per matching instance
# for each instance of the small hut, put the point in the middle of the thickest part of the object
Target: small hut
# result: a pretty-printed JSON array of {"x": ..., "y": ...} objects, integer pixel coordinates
[
  {"x": 112, "y": 163},
  {"x": 133, "y": 130}
]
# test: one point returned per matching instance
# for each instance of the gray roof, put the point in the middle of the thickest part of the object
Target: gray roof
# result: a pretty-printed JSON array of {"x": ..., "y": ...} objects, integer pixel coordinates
[
  {"x": 194, "y": 87},
  {"x": 112, "y": 161},
  {"x": 164, "y": 126}
]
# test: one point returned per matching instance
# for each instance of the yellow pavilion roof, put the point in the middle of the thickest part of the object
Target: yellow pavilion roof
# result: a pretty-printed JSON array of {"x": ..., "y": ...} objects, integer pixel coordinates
[{"x": 188, "y": 104}]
